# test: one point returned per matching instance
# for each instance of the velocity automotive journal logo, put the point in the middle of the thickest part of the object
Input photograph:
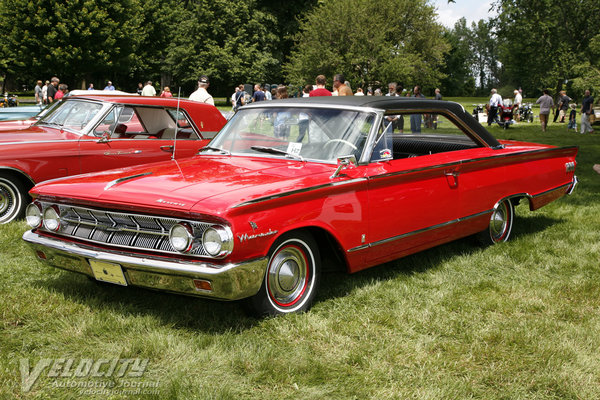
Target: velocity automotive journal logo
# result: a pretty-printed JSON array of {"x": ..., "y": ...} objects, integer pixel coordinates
[{"x": 88, "y": 374}]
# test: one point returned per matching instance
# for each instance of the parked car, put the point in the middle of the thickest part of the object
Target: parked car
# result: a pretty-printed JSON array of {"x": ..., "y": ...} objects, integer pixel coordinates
[
  {"x": 95, "y": 133},
  {"x": 19, "y": 113},
  {"x": 289, "y": 187}
]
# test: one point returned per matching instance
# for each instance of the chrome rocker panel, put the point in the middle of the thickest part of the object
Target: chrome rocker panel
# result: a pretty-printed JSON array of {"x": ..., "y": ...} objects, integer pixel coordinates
[{"x": 229, "y": 282}]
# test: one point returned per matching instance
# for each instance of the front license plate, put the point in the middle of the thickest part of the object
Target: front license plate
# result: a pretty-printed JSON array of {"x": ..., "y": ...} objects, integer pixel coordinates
[{"x": 108, "y": 272}]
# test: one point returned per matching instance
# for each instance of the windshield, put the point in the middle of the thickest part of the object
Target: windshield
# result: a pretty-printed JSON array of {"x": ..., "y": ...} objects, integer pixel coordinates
[
  {"x": 304, "y": 133},
  {"x": 73, "y": 115}
]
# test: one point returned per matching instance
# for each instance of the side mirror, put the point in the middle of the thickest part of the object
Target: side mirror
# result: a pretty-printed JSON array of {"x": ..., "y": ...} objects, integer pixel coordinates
[
  {"x": 105, "y": 137},
  {"x": 344, "y": 162}
]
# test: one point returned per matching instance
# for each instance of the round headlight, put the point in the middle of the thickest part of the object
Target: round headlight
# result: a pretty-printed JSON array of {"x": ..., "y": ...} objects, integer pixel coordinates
[
  {"x": 33, "y": 215},
  {"x": 217, "y": 241},
  {"x": 52, "y": 218},
  {"x": 181, "y": 237}
]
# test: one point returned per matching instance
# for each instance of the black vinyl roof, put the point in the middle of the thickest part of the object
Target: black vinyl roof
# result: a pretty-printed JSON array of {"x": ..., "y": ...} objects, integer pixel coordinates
[{"x": 390, "y": 103}]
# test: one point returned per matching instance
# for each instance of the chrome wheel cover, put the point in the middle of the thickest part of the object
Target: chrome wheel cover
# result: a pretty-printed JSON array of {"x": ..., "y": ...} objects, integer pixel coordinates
[
  {"x": 500, "y": 222},
  {"x": 288, "y": 275},
  {"x": 10, "y": 201}
]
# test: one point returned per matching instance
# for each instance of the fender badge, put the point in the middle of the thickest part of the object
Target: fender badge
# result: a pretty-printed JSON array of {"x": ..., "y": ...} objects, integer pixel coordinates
[{"x": 244, "y": 237}]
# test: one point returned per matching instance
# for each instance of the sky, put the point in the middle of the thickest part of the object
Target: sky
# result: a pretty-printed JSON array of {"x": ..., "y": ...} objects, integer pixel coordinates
[{"x": 472, "y": 10}]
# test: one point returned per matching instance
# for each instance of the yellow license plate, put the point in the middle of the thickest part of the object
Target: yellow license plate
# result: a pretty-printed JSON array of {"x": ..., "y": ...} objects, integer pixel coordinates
[{"x": 108, "y": 272}]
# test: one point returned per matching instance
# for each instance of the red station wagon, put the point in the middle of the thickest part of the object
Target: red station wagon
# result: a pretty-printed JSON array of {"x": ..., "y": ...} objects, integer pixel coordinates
[
  {"x": 97, "y": 132},
  {"x": 289, "y": 187}
]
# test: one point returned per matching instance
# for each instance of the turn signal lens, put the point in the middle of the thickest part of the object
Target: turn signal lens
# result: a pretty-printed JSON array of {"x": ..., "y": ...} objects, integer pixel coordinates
[
  {"x": 52, "y": 218},
  {"x": 33, "y": 215},
  {"x": 181, "y": 237}
]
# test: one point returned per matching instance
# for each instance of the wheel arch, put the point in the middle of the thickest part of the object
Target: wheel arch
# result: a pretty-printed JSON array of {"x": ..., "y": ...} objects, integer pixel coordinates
[
  {"x": 330, "y": 250},
  {"x": 23, "y": 178}
]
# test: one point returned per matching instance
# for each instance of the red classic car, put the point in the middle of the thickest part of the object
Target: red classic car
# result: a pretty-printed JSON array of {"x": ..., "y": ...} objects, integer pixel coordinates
[
  {"x": 288, "y": 187},
  {"x": 95, "y": 133}
]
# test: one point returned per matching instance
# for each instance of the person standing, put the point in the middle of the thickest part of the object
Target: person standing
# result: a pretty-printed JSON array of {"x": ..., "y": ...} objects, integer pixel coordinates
[
  {"x": 415, "y": 119},
  {"x": 258, "y": 95},
  {"x": 359, "y": 92},
  {"x": 62, "y": 91},
  {"x": 45, "y": 92},
  {"x": 586, "y": 110},
  {"x": 149, "y": 90},
  {"x": 321, "y": 81},
  {"x": 166, "y": 92},
  {"x": 517, "y": 104},
  {"x": 563, "y": 106},
  {"x": 391, "y": 89},
  {"x": 91, "y": 87},
  {"x": 38, "y": 93},
  {"x": 201, "y": 95},
  {"x": 268, "y": 95},
  {"x": 340, "y": 87},
  {"x": 493, "y": 105},
  {"x": 546, "y": 103},
  {"x": 109, "y": 86},
  {"x": 239, "y": 97},
  {"x": 140, "y": 88},
  {"x": 52, "y": 89}
]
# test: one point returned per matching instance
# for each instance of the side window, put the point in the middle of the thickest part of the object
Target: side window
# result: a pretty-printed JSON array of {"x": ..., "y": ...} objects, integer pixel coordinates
[
  {"x": 185, "y": 129},
  {"x": 414, "y": 135},
  {"x": 109, "y": 123}
]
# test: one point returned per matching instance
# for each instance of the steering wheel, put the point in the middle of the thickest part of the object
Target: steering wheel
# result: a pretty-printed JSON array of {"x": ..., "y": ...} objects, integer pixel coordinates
[{"x": 347, "y": 143}]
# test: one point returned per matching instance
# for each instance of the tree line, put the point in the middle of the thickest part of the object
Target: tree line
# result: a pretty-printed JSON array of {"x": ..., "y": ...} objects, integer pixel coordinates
[{"x": 531, "y": 44}]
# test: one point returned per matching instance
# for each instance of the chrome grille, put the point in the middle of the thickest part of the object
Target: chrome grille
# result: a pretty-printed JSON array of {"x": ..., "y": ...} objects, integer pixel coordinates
[{"x": 119, "y": 229}]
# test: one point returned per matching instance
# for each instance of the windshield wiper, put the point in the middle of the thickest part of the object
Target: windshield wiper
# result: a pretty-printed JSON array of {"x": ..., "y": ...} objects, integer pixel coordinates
[
  {"x": 273, "y": 150},
  {"x": 222, "y": 151}
]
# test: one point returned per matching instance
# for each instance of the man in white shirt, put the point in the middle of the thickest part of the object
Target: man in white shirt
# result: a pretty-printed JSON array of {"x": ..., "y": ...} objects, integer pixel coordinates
[
  {"x": 201, "y": 95},
  {"x": 495, "y": 102},
  {"x": 517, "y": 103},
  {"x": 149, "y": 90}
]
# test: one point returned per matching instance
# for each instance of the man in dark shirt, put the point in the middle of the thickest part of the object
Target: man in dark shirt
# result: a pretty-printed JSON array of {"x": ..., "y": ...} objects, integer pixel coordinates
[
  {"x": 52, "y": 89},
  {"x": 586, "y": 110},
  {"x": 259, "y": 95}
]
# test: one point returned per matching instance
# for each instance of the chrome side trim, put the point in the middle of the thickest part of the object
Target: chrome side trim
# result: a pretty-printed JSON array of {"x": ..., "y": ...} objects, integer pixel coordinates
[
  {"x": 408, "y": 234},
  {"x": 41, "y": 141},
  {"x": 298, "y": 191},
  {"x": 465, "y": 162},
  {"x": 126, "y": 178}
]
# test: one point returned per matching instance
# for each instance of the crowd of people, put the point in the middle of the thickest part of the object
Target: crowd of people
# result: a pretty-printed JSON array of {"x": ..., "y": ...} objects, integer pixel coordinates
[{"x": 563, "y": 105}]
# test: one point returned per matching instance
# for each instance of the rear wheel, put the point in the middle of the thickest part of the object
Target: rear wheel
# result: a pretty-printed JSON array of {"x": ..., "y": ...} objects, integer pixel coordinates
[
  {"x": 292, "y": 277},
  {"x": 13, "y": 198},
  {"x": 500, "y": 225}
]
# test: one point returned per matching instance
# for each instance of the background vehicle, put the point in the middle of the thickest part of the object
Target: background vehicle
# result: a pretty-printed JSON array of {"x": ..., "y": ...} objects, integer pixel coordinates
[
  {"x": 526, "y": 112},
  {"x": 95, "y": 133}
]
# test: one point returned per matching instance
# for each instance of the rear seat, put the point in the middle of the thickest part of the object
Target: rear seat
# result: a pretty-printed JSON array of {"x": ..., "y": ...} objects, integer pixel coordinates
[{"x": 408, "y": 147}]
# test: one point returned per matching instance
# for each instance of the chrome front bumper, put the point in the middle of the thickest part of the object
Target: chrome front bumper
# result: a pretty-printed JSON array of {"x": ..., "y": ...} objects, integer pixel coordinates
[{"x": 229, "y": 282}]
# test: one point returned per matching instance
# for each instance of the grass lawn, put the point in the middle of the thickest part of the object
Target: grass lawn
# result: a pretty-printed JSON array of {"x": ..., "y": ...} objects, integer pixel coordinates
[{"x": 519, "y": 320}]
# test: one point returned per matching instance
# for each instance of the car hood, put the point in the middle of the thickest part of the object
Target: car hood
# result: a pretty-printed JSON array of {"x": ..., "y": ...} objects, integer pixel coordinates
[
  {"x": 33, "y": 133},
  {"x": 203, "y": 184}
]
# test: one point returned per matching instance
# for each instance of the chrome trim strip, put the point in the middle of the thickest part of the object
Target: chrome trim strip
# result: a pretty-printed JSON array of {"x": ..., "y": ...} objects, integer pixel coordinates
[
  {"x": 552, "y": 190},
  {"x": 464, "y": 162},
  {"x": 408, "y": 234},
  {"x": 298, "y": 191},
  {"x": 40, "y": 141},
  {"x": 126, "y": 178}
]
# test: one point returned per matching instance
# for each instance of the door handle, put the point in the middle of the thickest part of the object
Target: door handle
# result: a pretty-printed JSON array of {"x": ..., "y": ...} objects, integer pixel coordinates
[
  {"x": 452, "y": 178},
  {"x": 168, "y": 149}
]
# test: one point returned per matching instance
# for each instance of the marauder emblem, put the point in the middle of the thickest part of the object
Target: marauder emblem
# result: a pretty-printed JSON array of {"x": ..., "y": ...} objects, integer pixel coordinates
[{"x": 243, "y": 237}]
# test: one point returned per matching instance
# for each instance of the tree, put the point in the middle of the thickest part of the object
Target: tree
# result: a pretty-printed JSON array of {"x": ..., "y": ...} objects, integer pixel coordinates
[
  {"x": 76, "y": 40},
  {"x": 545, "y": 43},
  {"x": 459, "y": 80},
  {"x": 359, "y": 39}
]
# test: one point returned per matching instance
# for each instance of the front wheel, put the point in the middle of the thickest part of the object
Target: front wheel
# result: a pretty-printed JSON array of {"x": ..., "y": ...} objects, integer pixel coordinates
[
  {"x": 500, "y": 225},
  {"x": 292, "y": 277},
  {"x": 12, "y": 198}
]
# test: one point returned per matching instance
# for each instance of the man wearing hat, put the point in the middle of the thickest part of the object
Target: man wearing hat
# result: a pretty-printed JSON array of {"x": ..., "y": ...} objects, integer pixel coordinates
[{"x": 201, "y": 95}]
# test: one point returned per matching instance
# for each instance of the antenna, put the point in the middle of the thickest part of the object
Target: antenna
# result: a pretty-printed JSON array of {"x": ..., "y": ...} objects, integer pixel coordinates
[{"x": 176, "y": 124}]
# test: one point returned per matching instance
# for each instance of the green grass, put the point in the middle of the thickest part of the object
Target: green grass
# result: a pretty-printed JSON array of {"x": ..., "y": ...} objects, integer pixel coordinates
[{"x": 519, "y": 320}]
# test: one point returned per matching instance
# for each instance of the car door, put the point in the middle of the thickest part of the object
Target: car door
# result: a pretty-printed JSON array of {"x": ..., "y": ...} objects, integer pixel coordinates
[
  {"x": 413, "y": 197},
  {"x": 131, "y": 135}
]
